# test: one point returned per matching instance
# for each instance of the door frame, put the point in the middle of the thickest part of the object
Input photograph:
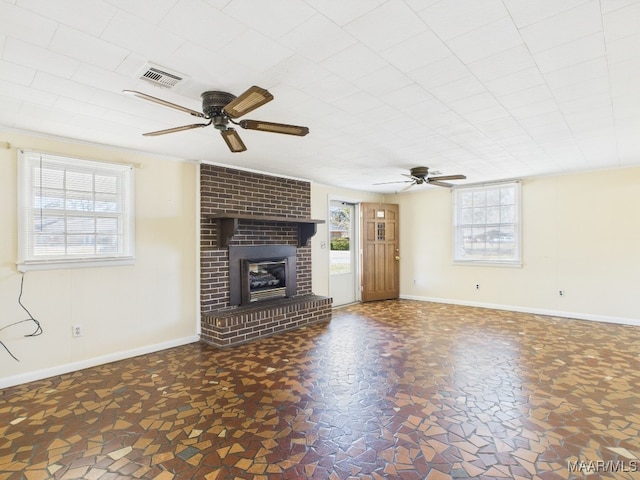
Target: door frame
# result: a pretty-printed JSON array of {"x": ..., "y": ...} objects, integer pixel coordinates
[{"x": 356, "y": 226}]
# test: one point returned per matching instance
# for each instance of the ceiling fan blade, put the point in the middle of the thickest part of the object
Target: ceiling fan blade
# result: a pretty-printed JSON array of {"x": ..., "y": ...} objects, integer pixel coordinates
[
  {"x": 233, "y": 140},
  {"x": 274, "y": 127},
  {"x": 413, "y": 177},
  {"x": 408, "y": 186},
  {"x": 253, "y": 98},
  {"x": 440, "y": 184},
  {"x": 175, "y": 129},
  {"x": 159, "y": 101},
  {"x": 388, "y": 183},
  {"x": 447, "y": 177}
]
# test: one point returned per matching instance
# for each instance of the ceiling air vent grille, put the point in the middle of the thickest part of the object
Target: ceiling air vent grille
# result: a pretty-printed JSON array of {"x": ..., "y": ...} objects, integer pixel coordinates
[{"x": 160, "y": 77}]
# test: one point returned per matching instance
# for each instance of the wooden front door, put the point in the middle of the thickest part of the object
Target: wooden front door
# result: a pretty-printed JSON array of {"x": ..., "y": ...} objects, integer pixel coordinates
[{"x": 380, "y": 252}]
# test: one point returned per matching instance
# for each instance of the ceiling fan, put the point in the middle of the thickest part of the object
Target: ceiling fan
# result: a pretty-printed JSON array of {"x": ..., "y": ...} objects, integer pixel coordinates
[
  {"x": 220, "y": 108},
  {"x": 419, "y": 176}
]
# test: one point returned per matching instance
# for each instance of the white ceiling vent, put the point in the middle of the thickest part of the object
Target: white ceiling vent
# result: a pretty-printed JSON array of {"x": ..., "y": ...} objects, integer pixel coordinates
[{"x": 160, "y": 76}]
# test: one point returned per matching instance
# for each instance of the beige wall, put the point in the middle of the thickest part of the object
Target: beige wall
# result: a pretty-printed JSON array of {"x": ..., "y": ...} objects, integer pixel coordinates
[
  {"x": 581, "y": 234},
  {"x": 124, "y": 310}
]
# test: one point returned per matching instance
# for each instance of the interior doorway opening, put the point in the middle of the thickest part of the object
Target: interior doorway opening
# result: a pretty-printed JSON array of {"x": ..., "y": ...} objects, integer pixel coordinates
[{"x": 343, "y": 252}]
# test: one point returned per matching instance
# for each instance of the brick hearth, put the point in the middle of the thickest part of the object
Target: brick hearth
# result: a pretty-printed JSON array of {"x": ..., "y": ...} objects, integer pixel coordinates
[
  {"x": 230, "y": 191},
  {"x": 232, "y": 327}
]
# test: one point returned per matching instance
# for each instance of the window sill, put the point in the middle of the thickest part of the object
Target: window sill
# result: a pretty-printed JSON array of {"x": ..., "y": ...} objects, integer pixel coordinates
[{"x": 66, "y": 264}]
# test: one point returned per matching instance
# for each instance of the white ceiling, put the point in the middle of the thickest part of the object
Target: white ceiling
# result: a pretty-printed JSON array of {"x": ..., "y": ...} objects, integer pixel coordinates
[{"x": 492, "y": 89}]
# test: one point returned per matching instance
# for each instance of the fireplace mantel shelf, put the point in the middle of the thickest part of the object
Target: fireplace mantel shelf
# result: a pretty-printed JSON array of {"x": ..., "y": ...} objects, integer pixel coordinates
[{"x": 228, "y": 225}]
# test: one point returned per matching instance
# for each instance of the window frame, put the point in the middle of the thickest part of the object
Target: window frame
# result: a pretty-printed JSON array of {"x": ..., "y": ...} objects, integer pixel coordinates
[
  {"x": 112, "y": 225},
  {"x": 516, "y": 225}
]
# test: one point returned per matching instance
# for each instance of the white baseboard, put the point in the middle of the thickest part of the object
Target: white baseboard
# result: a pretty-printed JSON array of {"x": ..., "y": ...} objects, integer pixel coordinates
[
  {"x": 93, "y": 362},
  {"x": 538, "y": 311}
]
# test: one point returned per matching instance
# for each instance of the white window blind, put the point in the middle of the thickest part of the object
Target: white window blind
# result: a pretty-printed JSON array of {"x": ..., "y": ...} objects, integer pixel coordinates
[
  {"x": 487, "y": 224},
  {"x": 73, "y": 212}
]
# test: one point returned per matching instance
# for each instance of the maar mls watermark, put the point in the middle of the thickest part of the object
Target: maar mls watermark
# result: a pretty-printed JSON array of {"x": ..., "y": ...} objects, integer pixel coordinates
[{"x": 603, "y": 466}]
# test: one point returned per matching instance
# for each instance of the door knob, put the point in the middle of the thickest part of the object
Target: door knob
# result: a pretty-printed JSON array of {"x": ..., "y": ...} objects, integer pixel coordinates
[{"x": 397, "y": 257}]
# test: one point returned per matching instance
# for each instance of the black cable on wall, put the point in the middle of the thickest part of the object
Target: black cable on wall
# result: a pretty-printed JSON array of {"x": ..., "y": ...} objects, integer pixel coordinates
[{"x": 38, "y": 328}]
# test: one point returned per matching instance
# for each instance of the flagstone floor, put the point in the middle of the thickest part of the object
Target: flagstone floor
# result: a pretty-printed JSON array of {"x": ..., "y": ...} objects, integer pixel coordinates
[{"x": 386, "y": 390}]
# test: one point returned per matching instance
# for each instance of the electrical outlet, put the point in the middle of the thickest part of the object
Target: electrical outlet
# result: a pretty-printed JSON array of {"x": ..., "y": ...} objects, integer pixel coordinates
[
  {"x": 414, "y": 281},
  {"x": 477, "y": 286},
  {"x": 561, "y": 293},
  {"x": 77, "y": 330}
]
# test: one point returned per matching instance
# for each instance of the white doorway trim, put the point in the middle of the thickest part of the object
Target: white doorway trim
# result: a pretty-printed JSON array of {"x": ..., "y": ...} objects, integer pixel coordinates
[{"x": 357, "y": 249}]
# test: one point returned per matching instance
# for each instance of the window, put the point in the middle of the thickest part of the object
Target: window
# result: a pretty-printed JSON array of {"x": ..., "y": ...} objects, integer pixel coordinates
[
  {"x": 340, "y": 223},
  {"x": 487, "y": 224},
  {"x": 73, "y": 212}
]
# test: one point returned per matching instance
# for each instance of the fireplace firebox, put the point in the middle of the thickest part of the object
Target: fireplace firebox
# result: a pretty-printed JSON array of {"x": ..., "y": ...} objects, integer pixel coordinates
[
  {"x": 264, "y": 279},
  {"x": 261, "y": 272}
]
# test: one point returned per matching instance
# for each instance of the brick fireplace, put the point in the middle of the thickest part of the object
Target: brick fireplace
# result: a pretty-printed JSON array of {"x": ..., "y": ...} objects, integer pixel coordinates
[{"x": 255, "y": 214}]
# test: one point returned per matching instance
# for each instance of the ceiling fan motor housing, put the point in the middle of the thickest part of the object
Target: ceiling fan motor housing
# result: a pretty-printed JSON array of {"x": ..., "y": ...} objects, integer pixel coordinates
[
  {"x": 214, "y": 101},
  {"x": 420, "y": 172}
]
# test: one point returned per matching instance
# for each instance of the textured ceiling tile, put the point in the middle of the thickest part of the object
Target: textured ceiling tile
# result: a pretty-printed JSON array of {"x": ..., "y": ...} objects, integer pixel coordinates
[
  {"x": 359, "y": 102},
  {"x": 342, "y": 12},
  {"x": 87, "y": 48},
  {"x": 255, "y": 51},
  {"x": 622, "y": 22},
  {"x": 135, "y": 34},
  {"x": 623, "y": 77},
  {"x": 473, "y": 103},
  {"x": 417, "y": 51},
  {"x": 624, "y": 48},
  {"x": 457, "y": 89},
  {"x": 448, "y": 20},
  {"x": 526, "y": 12},
  {"x": 399, "y": 23},
  {"x": 525, "y": 97},
  {"x": 354, "y": 62},
  {"x": 27, "y": 95},
  {"x": 516, "y": 82},
  {"x": 297, "y": 71},
  {"x": 197, "y": 22},
  {"x": 383, "y": 81},
  {"x": 487, "y": 114},
  {"x": 486, "y": 40},
  {"x": 151, "y": 10},
  {"x": 21, "y": 24},
  {"x": 10, "y": 108},
  {"x": 503, "y": 63},
  {"x": 331, "y": 89},
  {"x": 408, "y": 95},
  {"x": 571, "y": 53},
  {"x": 273, "y": 18},
  {"x": 14, "y": 73},
  {"x": 29, "y": 55},
  {"x": 564, "y": 27},
  {"x": 317, "y": 39},
  {"x": 583, "y": 89},
  {"x": 62, "y": 86},
  {"x": 88, "y": 16},
  {"x": 611, "y": 5},
  {"x": 577, "y": 73},
  {"x": 441, "y": 72}
]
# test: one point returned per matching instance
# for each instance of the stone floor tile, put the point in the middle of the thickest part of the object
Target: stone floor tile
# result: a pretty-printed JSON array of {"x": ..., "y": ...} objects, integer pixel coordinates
[{"x": 387, "y": 390}]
